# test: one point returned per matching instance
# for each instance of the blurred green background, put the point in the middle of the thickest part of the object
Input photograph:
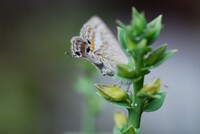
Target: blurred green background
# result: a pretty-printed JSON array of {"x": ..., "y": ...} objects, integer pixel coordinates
[{"x": 37, "y": 94}]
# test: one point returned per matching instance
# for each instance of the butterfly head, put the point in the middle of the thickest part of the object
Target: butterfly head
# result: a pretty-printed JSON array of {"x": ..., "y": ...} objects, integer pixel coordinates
[{"x": 81, "y": 47}]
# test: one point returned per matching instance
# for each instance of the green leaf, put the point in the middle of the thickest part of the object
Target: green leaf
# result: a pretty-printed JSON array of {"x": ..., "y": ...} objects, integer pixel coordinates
[
  {"x": 126, "y": 71},
  {"x": 147, "y": 50},
  {"x": 153, "y": 30},
  {"x": 142, "y": 44},
  {"x": 165, "y": 57},
  {"x": 154, "y": 104},
  {"x": 148, "y": 95},
  {"x": 141, "y": 48},
  {"x": 138, "y": 21},
  {"x": 130, "y": 44},
  {"x": 121, "y": 37},
  {"x": 125, "y": 104},
  {"x": 156, "y": 55},
  {"x": 128, "y": 130}
]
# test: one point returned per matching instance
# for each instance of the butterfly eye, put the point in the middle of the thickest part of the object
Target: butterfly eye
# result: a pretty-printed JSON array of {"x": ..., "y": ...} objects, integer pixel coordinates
[
  {"x": 88, "y": 50},
  {"x": 88, "y": 41}
]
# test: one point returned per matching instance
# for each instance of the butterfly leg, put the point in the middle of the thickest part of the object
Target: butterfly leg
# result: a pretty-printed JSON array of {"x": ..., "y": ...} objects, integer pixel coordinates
[
  {"x": 118, "y": 83},
  {"x": 128, "y": 87}
]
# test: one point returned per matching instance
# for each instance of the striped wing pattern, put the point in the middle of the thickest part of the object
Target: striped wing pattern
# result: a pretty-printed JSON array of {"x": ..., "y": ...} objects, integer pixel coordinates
[{"x": 106, "y": 48}]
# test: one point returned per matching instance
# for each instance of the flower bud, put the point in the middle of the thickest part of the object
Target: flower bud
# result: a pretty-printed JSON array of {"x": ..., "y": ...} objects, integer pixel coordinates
[
  {"x": 138, "y": 21},
  {"x": 151, "y": 88},
  {"x": 125, "y": 71},
  {"x": 120, "y": 119},
  {"x": 130, "y": 44},
  {"x": 111, "y": 92},
  {"x": 153, "y": 30},
  {"x": 156, "y": 55}
]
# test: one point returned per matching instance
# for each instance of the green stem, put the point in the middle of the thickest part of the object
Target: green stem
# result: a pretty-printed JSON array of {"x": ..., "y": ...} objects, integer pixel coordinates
[
  {"x": 135, "y": 113},
  {"x": 88, "y": 118}
]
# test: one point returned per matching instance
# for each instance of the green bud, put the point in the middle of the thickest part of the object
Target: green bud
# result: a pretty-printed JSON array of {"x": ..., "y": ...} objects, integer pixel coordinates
[
  {"x": 141, "y": 46},
  {"x": 125, "y": 40},
  {"x": 156, "y": 55},
  {"x": 120, "y": 119},
  {"x": 153, "y": 30},
  {"x": 151, "y": 88},
  {"x": 111, "y": 92},
  {"x": 126, "y": 71},
  {"x": 131, "y": 45},
  {"x": 138, "y": 21},
  {"x": 142, "y": 43}
]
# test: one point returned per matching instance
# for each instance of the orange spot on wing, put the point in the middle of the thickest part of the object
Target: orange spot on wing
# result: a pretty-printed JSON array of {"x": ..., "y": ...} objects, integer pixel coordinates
[{"x": 91, "y": 45}]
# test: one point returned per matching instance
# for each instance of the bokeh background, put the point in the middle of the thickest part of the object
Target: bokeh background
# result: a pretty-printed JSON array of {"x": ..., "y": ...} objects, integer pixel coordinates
[{"x": 37, "y": 93}]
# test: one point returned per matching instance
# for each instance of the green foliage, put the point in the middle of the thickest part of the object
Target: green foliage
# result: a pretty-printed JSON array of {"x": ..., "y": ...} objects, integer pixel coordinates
[
  {"x": 139, "y": 34},
  {"x": 159, "y": 61},
  {"x": 153, "y": 30},
  {"x": 138, "y": 22},
  {"x": 154, "y": 104},
  {"x": 165, "y": 57},
  {"x": 125, "y": 71},
  {"x": 147, "y": 95},
  {"x": 155, "y": 55},
  {"x": 121, "y": 37},
  {"x": 135, "y": 39}
]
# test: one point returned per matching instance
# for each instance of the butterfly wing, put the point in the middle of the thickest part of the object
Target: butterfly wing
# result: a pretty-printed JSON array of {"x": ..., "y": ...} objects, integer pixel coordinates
[{"x": 106, "y": 48}]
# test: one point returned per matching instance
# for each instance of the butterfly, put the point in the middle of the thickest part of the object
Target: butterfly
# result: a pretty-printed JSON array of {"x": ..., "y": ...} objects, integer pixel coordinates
[{"x": 98, "y": 45}]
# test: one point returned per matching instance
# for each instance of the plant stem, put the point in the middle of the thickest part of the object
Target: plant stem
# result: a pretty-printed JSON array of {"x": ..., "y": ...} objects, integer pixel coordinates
[
  {"x": 88, "y": 118},
  {"x": 135, "y": 113}
]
